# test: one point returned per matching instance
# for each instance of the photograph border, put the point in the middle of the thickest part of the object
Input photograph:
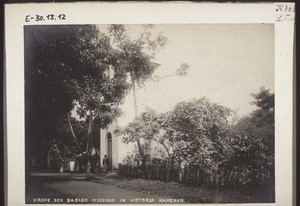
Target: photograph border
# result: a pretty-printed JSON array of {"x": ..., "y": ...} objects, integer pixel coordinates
[{"x": 265, "y": 13}]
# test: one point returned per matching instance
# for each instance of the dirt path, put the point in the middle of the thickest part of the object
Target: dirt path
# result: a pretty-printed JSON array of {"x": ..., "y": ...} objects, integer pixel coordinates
[{"x": 100, "y": 193}]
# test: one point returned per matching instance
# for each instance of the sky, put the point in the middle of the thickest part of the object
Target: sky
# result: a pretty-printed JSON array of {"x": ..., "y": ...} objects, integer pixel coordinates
[{"x": 227, "y": 63}]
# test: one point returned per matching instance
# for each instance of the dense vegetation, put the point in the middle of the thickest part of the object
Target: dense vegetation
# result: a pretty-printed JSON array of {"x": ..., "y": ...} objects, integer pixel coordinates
[
  {"x": 77, "y": 68},
  {"x": 197, "y": 134},
  {"x": 83, "y": 70}
]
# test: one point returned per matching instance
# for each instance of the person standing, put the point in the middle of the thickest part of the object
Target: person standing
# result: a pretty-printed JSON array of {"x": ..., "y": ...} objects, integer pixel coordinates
[
  {"x": 72, "y": 165},
  {"x": 88, "y": 167},
  {"x": 61, "y": 170},
  {"x": 105, "y": 163}
]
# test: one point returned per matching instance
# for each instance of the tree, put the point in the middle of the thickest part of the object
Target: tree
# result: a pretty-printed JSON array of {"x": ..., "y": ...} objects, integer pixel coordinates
[
  {"x": 252, "y": 142},
  {"x": 63, "y": 146},
  {"x": 249, "y": 163},
  {"x": 137, "y": 57},
  {"x": 264, "y": 100},
  {"x": 181, "y": 71},
  {"x": 260, "y": 123},
  {"x": 194, "y": 131},
  {"x": 197, "y": 128},
  {"x": 65, "y": 69},
  {"x": 148, "y": 127}
]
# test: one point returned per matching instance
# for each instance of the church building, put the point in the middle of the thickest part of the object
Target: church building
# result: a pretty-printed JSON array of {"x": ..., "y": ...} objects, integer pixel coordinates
[{"x": 111, "y": 144}]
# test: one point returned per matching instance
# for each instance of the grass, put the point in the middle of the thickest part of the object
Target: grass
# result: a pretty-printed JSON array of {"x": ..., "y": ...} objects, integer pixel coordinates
[
  {"x": 188, "y": 194},
  {"x": 35, "y": 188}
]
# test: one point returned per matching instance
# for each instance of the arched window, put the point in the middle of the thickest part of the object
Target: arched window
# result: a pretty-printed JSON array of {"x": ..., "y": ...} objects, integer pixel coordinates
[{"x": 109, "y": 137}]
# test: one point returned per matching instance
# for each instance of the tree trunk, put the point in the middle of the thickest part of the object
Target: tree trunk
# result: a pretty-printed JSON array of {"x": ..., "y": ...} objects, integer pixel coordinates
[
  {"x": 48, "y": 160},
  {"x": 48, "y": 157},
  {"x": 75, "y": 138},
  {"x": 135, "y": 113},
  {"x": 164, "y": 146},
  {"x": 58, "y": 152},
  {"x": 89, "y": 135}
]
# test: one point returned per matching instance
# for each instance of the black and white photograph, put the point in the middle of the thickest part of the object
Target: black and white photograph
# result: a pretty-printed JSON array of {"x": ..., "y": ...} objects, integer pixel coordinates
[{"x": 150, "y": 111}]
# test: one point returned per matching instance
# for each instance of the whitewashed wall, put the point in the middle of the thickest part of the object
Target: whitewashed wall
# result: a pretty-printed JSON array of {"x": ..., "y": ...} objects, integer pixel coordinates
[
  {"x": 104, "y": 145},
  {"x": 120, "y": 150}
]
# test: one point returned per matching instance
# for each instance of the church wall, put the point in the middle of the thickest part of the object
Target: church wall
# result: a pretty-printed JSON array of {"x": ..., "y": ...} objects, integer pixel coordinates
[
  {"x": 121, "y": 150},
  {"x": 104, "y": 145},
  {"x": 126, "y": 149}
]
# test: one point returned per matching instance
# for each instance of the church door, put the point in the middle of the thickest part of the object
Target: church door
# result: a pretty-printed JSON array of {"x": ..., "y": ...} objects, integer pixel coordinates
[{"x": 109, "y": 150}]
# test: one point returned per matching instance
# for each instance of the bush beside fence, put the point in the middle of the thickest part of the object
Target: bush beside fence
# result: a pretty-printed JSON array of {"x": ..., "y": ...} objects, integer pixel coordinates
[
  {"x": 191, "y": 175},
  {"x": 194, "y": 175}
]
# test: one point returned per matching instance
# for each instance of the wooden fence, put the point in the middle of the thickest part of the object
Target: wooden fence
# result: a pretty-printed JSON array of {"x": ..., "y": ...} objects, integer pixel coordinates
[
  {"x": 194, "y": 175},
  {"x": 191, "y": 175}
]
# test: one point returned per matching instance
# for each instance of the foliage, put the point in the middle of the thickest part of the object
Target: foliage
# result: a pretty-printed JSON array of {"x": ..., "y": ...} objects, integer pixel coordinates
[
  {"x": 137, "y": 58},
  {"x": 196, "y": 133},
  {"x": 143, "y": 126},
  {"x": 148, "y": 127},
  {"x": 260, "y": 123},
  {"x": 62, "y": 147},
  {"x": 193, "y": 131},
  {"x": 183, "y": 69},
  {"x": 198, "y": 130},
  {"x": 250, "y": 163},
  {"x": 64, "y": 136},
  {"x": 264, "y": 100},
  {"x": 66, "y": 68},
  {"x": 252, "y": 141}
]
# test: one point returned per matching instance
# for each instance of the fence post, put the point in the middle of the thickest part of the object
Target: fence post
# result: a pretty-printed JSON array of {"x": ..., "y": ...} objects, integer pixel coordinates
[
  {"x": 158, "y": 172},
  {"x": 167, "y": 173},
  {"x": 143, "y": 167},
  {"x": 163, "y": 172},
  {"x": 171, "y": 173},
  {"x": 147, "y": 172},
  {"x": 119, "y": 169},
  {"x": 180, "y": 172},
  {"x": 152, "y": 172},
  {"x": 187, "y": 180},
  {"x": 130, "y": 171}
]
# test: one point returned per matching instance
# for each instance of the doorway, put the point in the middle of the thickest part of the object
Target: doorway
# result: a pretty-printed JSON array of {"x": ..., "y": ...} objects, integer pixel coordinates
[{"x": 109, "y": 150}]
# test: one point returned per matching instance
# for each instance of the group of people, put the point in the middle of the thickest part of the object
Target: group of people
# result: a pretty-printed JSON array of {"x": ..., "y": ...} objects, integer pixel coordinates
[{"x": 85, "y": 163}]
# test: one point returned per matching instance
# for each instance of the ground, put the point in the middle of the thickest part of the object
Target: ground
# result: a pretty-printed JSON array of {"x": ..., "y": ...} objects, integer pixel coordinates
[
  {"x": 189, "y": 194},
  {"x": 83, "y": 188}
]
